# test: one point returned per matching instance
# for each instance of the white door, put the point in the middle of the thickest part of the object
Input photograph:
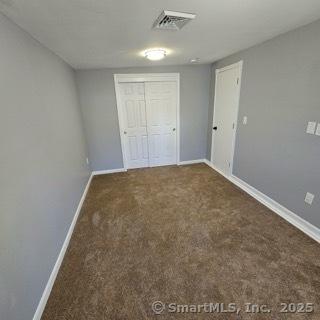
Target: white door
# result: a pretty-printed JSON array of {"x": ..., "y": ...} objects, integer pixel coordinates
[
  {"x": 161, "y": 106},
  {"x": 226, "y": 103},
  {"x": 135, "y": 124}
]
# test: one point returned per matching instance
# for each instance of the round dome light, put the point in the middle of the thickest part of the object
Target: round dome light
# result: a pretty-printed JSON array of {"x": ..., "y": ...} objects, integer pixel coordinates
[{"x": 155, "y": 54}]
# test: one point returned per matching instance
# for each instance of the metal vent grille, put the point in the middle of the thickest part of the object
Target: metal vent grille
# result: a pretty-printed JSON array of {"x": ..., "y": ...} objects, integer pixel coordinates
[{"x": 171, "y": 20}]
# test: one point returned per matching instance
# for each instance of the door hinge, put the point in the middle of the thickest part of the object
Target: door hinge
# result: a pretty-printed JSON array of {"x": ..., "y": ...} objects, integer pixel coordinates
[
  {"x": 237, "y": 80},
  {"x": 233, "y": 125},
  {"x": 229, "y": 164}
]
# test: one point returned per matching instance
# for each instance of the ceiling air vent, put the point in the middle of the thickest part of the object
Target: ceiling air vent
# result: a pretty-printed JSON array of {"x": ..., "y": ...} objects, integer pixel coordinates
[{"x": 171, "y": 20}]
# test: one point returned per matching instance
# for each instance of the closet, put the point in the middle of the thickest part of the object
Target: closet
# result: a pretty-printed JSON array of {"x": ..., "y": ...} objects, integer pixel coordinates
[{"x": 148, "y": 114}]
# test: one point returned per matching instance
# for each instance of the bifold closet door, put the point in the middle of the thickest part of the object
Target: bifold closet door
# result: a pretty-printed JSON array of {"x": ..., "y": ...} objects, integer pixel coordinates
[
  {"x": 161, "y": 108},
  {"x": 135, "y": 124}
]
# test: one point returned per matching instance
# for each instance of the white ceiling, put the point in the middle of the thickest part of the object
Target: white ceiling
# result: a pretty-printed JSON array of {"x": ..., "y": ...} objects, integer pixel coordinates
[{"x": 112, "y": 33}]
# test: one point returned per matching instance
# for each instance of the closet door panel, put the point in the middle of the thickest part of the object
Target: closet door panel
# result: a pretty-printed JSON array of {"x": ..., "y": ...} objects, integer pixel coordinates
[
  {"x": 135, "y": 124},
  {"x": 161, "y": 107}
]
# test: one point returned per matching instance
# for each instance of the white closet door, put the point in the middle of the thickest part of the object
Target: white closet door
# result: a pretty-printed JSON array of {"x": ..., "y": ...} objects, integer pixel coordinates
[
  {"x": 135, "y": 124},
  {"x": 161, "y": 106}
]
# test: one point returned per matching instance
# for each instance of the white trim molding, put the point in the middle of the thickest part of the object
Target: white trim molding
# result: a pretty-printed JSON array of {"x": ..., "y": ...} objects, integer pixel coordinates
[
  {"x": 145, "y": 77},
  {"x": 55, "y": 270},
  {"x": 210, "y": 164},
  {"x": 183, "y": 163},
  {"x": 285, "y": 213},
  {"x": 99, "y": 172},
  {"x": 303, "y": 225}
]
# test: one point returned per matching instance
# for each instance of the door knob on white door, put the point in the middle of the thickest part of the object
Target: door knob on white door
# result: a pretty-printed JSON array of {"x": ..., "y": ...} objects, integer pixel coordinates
[
  {"x": 125, "y": 132},
  {"x": 174, "y": 129}
]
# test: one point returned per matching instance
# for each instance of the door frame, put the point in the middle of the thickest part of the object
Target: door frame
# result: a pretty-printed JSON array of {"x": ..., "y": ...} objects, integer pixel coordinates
[
  {"x": 145, "y": 77},
  {"x": 239, "y": 65}
]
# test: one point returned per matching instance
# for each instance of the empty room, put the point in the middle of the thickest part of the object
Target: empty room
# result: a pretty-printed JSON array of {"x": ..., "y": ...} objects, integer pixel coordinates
[{"x": 159, "y": 159}]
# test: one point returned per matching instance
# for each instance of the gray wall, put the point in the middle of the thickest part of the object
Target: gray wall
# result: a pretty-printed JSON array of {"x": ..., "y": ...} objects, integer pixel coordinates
[
  {"x": 42, "y": 167},
  {"x": 98, "y": 102},
  {"x": 280, "y": 93}
]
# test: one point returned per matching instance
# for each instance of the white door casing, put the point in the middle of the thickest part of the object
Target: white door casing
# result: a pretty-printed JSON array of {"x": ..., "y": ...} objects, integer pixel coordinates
[
  {"x": 135, "y": 124},
  {"x": 169, "y": 147},
  {"x": 161, "y": 122},
  {"x": 226, "y": 105}
]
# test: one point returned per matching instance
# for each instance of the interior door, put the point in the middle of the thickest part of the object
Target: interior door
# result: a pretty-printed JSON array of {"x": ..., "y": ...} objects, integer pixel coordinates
[
  {"x": 161, "y": 106},
  {"x": 135, "y": 124},
  {"x": 225, "y": 117}
]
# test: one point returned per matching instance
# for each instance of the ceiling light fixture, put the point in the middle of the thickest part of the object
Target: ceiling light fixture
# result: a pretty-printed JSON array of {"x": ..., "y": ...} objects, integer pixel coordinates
[
  {"x": 195, "y": 60},
  {"x": 155, "y": 54}
]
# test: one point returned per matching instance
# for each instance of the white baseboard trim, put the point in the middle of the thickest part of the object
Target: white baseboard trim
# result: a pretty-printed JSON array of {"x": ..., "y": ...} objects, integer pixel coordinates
[
  {"x": 183, "y": 163},
  {"x": 96, "y": 173},
  {"x": 285, "y": 213},
  {"x": 303, "y": 225},
  {"x": 210, "y": 164},
  {"x": 55, "y": 270}
]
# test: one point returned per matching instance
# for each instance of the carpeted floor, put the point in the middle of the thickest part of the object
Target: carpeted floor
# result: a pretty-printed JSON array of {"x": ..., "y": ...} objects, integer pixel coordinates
[{"x": 181, "y": 235}]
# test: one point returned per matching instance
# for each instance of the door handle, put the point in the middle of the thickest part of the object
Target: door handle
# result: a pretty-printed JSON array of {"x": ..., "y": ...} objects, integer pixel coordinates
[
  {"x": 125, "y": 132},
  {"x": 174, "y": 129},
  {"x": 215, "y": 128}
]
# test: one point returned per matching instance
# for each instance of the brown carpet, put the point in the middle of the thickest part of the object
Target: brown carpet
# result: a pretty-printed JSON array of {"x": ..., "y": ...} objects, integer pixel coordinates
[{"x": 181, "y": 235}]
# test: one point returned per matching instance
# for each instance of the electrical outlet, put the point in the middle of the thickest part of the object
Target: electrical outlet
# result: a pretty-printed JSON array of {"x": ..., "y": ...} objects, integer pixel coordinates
[
  {"x": 318, "y": 130},
  {"x": 245, "y": 120},
  {"x": 309, "y": 198},
  {"x": 311, "y": 128}
]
